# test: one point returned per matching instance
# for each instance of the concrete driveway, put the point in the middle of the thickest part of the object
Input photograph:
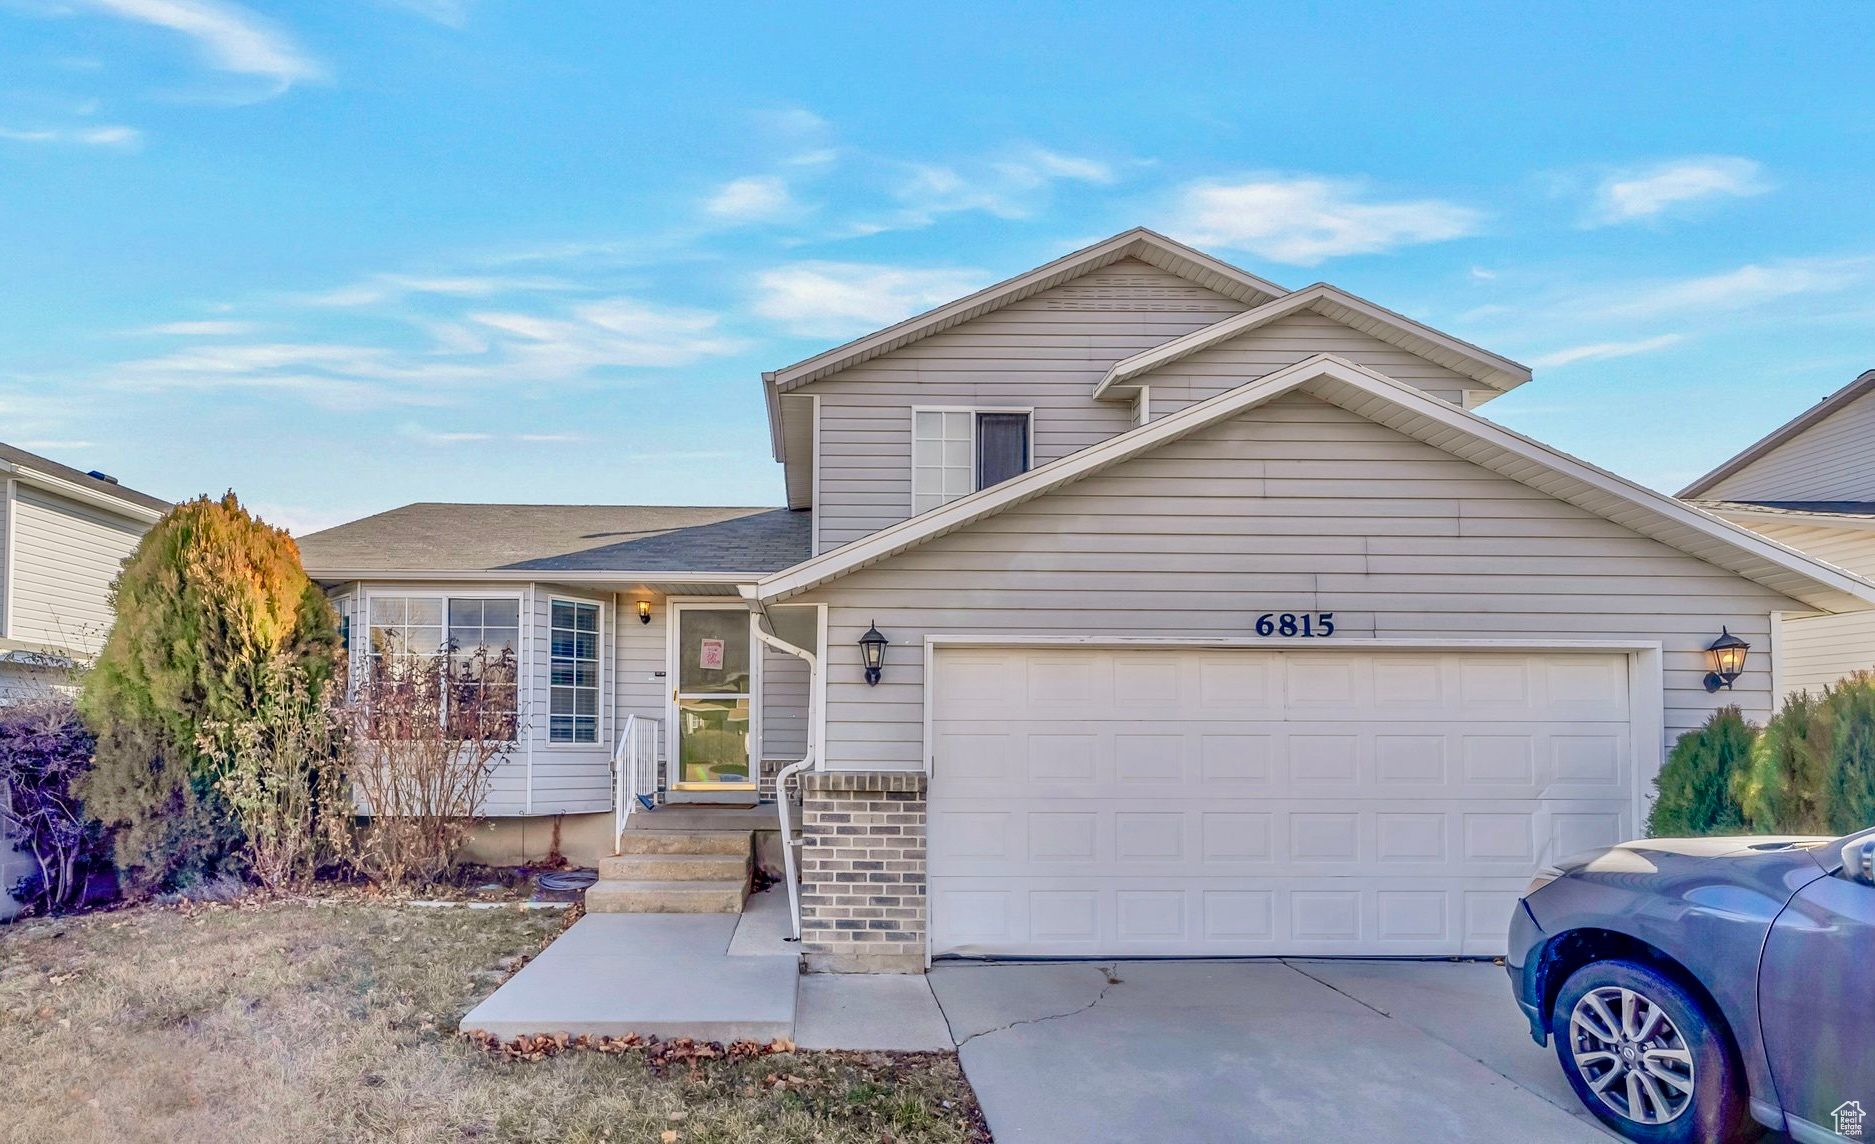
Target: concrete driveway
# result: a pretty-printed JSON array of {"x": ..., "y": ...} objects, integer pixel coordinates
[{"x": 1376, "y": 1051}]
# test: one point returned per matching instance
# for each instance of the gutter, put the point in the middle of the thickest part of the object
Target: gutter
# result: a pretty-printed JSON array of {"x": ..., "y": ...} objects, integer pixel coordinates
[
  {"x": 810, "y": 761},
  {"x": 72, "y": 490}
]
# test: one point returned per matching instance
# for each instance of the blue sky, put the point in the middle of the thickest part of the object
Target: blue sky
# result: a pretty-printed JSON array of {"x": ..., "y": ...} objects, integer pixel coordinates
[{"x": 345, "y": 255}]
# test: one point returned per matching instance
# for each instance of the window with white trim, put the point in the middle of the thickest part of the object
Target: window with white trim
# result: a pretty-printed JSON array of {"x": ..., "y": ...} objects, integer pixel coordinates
[
  {"x": 459, "y": 627},
  {"x": 573, "y": 687},
  {"x": 955, "y": 452}
]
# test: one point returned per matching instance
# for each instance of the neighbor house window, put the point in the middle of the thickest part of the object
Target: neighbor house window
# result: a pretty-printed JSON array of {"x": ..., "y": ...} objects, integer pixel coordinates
[
  {"x": 573, "y": 691},
  {"x": 481, "y": 636},
  {"x": 955, "y": 452}
]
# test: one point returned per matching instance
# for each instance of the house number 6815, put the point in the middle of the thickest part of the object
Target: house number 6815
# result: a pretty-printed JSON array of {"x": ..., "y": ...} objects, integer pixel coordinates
[{"x": 1296, "y": 624}]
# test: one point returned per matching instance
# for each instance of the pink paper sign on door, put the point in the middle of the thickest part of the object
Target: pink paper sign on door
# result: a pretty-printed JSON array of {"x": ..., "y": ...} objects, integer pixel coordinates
[{"x": 711, "y": 656}]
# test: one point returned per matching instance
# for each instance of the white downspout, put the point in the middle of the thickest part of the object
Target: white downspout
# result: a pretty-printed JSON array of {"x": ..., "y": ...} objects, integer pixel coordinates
[{"x": 782, "y": 776}]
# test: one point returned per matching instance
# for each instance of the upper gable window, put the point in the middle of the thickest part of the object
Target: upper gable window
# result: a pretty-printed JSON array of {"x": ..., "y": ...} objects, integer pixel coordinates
[{"x": 955, "y": 452}]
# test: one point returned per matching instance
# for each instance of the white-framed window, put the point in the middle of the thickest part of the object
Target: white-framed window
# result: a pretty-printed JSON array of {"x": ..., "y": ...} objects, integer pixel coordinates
[
  {"x": 573, "y": 667},
  {"x": 955, "y": 452},
  {"x": 456, "y": 626}
]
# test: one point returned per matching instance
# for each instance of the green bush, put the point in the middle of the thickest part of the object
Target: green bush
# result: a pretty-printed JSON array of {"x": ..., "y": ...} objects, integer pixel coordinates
[
  {"x": 1698, "y": 784},
  {"x": 1784, "y": 790},
  {"x": 208, "y": 605},
  {"x": 1849, "y": 791}
]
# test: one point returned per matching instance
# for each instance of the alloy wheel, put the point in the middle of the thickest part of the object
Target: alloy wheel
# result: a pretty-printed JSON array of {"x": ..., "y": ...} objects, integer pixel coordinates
[{"x": 1631, "y": 1055}]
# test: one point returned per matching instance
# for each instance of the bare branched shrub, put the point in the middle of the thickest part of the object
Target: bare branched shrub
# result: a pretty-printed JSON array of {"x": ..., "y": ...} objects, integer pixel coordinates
[
  {"x": 44, "y": 751},
  {"x": 282, "y": 768},
  {"x": 428, "y": 731}
]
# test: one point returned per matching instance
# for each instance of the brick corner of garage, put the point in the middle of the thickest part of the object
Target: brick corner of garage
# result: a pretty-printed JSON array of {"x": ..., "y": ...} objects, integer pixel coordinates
[{"x": 863, "y": 907}]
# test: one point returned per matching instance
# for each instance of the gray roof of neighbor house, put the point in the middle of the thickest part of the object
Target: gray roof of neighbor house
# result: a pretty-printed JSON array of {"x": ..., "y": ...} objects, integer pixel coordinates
[
  {"x": 110, "y": 488},
  {"x": 1796, "y": 510},
  {"x": 432, "y": 537}
]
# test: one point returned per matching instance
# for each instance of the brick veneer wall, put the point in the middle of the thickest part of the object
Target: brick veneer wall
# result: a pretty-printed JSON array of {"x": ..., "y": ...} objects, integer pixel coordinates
[{"x": 863, "y": 872}]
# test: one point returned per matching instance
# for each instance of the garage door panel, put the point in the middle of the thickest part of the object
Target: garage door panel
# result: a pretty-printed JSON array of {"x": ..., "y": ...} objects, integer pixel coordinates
[
  {"x": 1263, "y": 802},
  {"x": 1142, "y": 917}
]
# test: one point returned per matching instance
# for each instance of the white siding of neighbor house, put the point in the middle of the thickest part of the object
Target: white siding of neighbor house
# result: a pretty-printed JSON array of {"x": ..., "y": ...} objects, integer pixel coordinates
[
  {"x": 1298, "y": 506},
  {"x": 1046, "y": 352},
  {"x": 7, "y": 489},
  {"x": 1817, "y": 650},
  {"x": 1281, "y": 343},
  {"x": 64, "y": 558},
  {"x": 1831, "y": 460}
]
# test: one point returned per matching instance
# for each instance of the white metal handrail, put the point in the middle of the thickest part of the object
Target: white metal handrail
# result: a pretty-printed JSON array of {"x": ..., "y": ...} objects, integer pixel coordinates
[{"x": 634, "y": 771}]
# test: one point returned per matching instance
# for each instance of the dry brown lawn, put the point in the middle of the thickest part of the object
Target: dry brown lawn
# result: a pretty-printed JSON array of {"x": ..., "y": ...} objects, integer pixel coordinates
[{"x": 317, "y": 1021}]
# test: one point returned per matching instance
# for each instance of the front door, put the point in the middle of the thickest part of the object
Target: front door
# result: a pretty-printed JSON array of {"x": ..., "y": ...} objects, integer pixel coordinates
[{"x": 711, "y": 696}]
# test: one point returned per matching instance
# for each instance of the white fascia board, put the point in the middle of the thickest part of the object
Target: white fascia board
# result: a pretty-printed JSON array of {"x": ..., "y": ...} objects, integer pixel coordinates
[
  {"x": 1157, "y": 249},
  {"x": 1326, "y": 370},
  {"x": 71, "y": 490},
  {"x": 1496, "y": 371}
]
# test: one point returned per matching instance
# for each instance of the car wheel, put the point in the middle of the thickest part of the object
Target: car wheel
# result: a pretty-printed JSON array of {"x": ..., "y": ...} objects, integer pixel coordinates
[{"x": 1647, "y": 1058}]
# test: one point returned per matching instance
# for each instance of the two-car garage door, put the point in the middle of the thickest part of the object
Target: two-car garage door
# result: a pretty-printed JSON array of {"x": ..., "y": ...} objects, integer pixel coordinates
[{"x": 1192, "y": 802}]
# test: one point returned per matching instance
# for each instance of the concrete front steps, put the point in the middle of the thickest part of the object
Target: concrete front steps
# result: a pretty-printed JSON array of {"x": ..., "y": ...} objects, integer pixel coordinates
[{"x": 674, "y": 868}]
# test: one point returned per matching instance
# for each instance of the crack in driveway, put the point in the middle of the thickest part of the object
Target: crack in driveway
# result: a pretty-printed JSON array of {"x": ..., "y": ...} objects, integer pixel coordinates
[{"x": 1107, "y": 971}]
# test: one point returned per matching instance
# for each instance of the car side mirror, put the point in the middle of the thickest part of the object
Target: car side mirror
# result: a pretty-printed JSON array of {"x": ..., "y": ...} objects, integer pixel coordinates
[{"x": 1858, "y": 861}]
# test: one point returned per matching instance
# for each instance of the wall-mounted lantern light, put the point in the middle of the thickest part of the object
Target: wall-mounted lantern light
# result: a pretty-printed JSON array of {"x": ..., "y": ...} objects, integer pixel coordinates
[
  {"x": 872, "y": 650},
  {"x": 644, "y": 611},
  {"x": 1727, "y": 657}
]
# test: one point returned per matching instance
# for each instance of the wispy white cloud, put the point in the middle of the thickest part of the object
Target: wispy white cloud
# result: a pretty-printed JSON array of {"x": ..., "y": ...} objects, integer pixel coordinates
[
  {"x": 230, "y": 37},
  {"x": 385, "y": 287},
  {"x": 839, "y": 299},
  {"x": 1628, "y": 196},
  {"x": 426, "y": 436},
  {"x": 1006, "y": 186},
  {"x": 1745, "y": 288},
  {"x": 114, "y": 135},
  {"x": 755, "y": 198},
  {"x": 1304, "y": 221},
  {"x": 199, "y": 329},
  {"x": 1602, "y": 351}
]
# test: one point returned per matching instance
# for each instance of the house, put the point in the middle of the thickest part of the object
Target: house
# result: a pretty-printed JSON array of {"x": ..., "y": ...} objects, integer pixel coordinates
[
  {"x": 1810, "y": 484},
  {"x": 63, "y": 537},
  {"x": 1134, "y": 606}
]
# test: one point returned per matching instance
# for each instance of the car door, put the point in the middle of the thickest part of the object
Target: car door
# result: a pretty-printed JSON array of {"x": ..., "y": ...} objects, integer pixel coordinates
[{"x": 1816, "y": 995}]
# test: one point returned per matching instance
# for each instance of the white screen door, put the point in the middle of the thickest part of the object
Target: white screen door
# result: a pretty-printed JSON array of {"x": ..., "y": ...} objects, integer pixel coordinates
[{"x": 712, "y": 697}]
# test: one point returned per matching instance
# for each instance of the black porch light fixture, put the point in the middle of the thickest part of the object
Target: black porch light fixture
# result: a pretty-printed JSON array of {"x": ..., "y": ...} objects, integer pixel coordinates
[
  {"x": 1727, "y": 656},
  {"x": 644, "y": 611},
  {"x": 872, "y": 651}
]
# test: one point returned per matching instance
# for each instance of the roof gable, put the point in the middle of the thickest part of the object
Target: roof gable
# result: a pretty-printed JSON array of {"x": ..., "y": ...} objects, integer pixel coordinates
[
  {"x": 1500, "y": 373},
  {"x": 1783, "y": 435},
  {"x": 1400, "y": 407},
  {"x": 1145, "y": 245}
]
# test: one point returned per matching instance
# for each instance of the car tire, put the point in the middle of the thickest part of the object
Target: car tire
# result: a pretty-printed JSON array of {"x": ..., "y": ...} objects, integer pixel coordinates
[{"x": 1676, "y": 1078}]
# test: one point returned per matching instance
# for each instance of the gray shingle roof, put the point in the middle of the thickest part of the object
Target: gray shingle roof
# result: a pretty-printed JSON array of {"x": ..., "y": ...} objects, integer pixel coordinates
[
  {"x": 431, "y": 537},
  {"x": 1792, "y": 508},
  {"x": 52, "y": 468}
]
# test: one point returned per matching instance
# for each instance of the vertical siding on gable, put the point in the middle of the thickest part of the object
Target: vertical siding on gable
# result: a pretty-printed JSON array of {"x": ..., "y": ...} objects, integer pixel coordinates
[
  {"x": 1294, "y": 506},
  {"x": 65, "y": 557},
  {"x": 1832, "y": 460},
  {"x": 1046, "y": 352},
  {"x": 1296, "y": 338}
]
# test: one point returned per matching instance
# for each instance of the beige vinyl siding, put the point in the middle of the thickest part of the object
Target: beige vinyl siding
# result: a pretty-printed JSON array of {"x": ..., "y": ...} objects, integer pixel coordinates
[
  {"x": 1297, "y": 506},
  {"x": 1819, "y": 650},
  {"x": 64, "y": 558},
  {"x": 1046, "y": 352},
  {"x": 1300, "y": 336},
  {"x": 1832, "y": 460},
  {"x": 1849, "y": 548},
  {"x": 569, "y": 777},
  {"x": 784, "y": 706}
]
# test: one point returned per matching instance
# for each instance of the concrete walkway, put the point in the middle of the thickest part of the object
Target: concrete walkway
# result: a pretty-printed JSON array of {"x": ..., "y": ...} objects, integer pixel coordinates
[
  {"x": 662, "y": 975},
  {"x": 1253, "y": 1051}
]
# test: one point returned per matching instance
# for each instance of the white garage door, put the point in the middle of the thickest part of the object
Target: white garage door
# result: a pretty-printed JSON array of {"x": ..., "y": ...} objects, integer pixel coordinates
[{"x": 1237, "y": 803}]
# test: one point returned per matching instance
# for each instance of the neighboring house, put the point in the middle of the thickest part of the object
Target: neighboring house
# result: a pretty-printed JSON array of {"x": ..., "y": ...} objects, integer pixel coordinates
[
  {"x": 1217, "y": 624},
  {"x": 63, "y": 537},
  {"x": 1810, "y": 484}
]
